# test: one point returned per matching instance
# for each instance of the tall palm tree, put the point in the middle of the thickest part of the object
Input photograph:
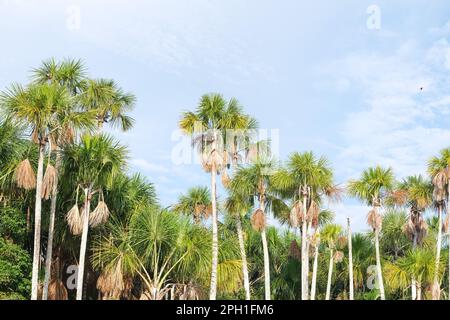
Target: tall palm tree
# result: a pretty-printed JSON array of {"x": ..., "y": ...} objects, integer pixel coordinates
[
  {"x": 91, "y": 164},
  {"x": 416, "y": 193},
  {"x": 206, "y": 125},
  {"x": 330, "y": 234},
  {"x": 196, "y": 203},
  {"x": 373, "y": 186},
  {"x": 254, "y": 183},
  {"x": 439, "y": 170},
  {"x": 238, "y": 143},
  {"x": 350, "y": 261},
  {"x": 304, "y": 180},
  {"x": 68, "y": 74},
  {"x": 109, "y": 102},
  {"x": 38, "y": 106}
]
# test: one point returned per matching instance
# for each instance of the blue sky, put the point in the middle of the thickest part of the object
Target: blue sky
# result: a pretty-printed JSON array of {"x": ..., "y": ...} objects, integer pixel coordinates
[{"x": 315, "y": 71}]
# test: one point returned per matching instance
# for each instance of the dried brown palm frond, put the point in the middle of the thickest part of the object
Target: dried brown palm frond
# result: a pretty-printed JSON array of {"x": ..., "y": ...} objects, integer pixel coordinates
[
  {"x": 206, "y": 163},
  {"x": 24, "y": 175},
  {"x": 296, "y": 215},
  {"x": 208, "y": 211},
  {"x": 295, "y": 251},
  {"x": 57, "y": 290},
  {"x": 342, "y": 241},
  {"x": 258, "y": 220},
  {"x": 434, "y": 290},
  {"x": 48, "y": 182},
  {"x": 225, "y": 178},
  {"x": 335, "y": 192},
  {"x": 439, "y": 194},
  {"x": 374, "y": 220},
  {"x": 99, "y": 215},
  {"x": 35, "y": 136},
  {"x": 111, "y": 282},
  {"x": 52, "y": 142},
  {"x": 422, "y": 231},
  {"x": 440, "y": 179},
  {"x": 446, "y": 224},
  {"x": 338, "y": 256},
  {"x": 409, "y": 229},
  {"x": 67, "y": 135},
  {"x": 75, "y": 220},
  {"x": 313, "y": 212},
  {"x": 399, "y": 197}
]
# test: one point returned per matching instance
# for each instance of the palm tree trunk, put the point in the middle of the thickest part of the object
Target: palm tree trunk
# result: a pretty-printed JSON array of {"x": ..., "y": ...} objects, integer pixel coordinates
[
  {"x": 84, "y": 236},
  {"x": 242, "y": 243},
  {"x": 243, "y": 258},
  {"x": 267, "y": 291},
  {"x": 413, "y": 279},
  {"x": 266, "y": 265},
  {"x": 379, "y": 272},
  {"x": 330, "y": 274},
  {"x": 350, "y": 260},
  {"x": 37, "y": 225},
  {"x": 215, "y": 241},
  {"x": 303, "y": 252},
  {"x": 436, "y": 284},
  {"x": 51, "y": 227},
  {"x": 419, "y": 291},
  {"x": 448, "y": 242},
  {"x": 314, "y": 275}
]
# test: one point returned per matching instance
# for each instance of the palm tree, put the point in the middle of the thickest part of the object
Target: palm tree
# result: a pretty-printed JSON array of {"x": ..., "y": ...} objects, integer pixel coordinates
[
  {"x": 373, "y": 186},
  {"x": 206, "y": 126},
  {"x": 109, "y": 102},
  {"x": 196, "y": 203},
  {"x": 331, "y": 234},
  {"x": 68, "y": 74},
  {"x": 39, "y": 107},
  {"x": 305, "y": 179},
  {"x": 91, "y": 164},
  {"x": 238, "y": 141},
  {"x": 438, "y": 169},
  {"x": 254, "y": 183},
  {"x": 417, "y": 194}
]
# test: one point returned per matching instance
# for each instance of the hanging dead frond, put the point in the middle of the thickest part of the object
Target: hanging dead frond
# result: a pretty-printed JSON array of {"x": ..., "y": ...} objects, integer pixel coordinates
[
  {"x": 296, "y": 215},
  {"x": 57, "y": 290},
  {"x": 440, "y": 179},
  {"x": 338, "y": 256},
  {"x": 439, "y": 194},
  {"x": 399, "y": 197},
  {"x": 52, "y": 141},
  {"x": 313, "y": 211},
  {"x": 374, "y": 220},
  {"x": 24, "y": 175},
  {"x": 75, "y": 220},
  {"x": 446, "y": 224},
  {"x": 258, "y": 220},
  {"x": 111, "y": 282},
  {"x": 409, "y": 229},
  {"x": 99, "y": 215},
  {"x": 342, "y": 241},
  {"x": 295, "y": 250},
  {"x": 48, "y": 182},
  {"x": 35, "y": 136},
  {"x": 422, "y": 231},
  {"x": 334, "y": 193},
  {"x": 225, "y": 178}
]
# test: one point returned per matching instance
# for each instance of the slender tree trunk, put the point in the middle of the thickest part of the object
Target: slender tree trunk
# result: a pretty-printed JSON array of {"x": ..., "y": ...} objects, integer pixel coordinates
[
  {"x": 314, "y": 275},
  {"x": 304, "y": 276},
  {"x": 350, "y": 260},
  {"x": 419, "y": 291},
  {"x": 267, "y": 290},
  {"x": 266, "y": 265},
  {"x": 436, "y": 285},
  {"x": 215, "y": 240},
  {"x": 330, "y": 275},
  {"x": 413, "y": 279},
  {"x": 243, "y": 258},
  {"x": 37, "y": 225},
  {"x": 242, "y": 243},
  {"x": 448, "y": 242},
  {"x": 51, "y": 228},
  {"x": 84, "y": 236},
  {"x": 379, "y": 272}
]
